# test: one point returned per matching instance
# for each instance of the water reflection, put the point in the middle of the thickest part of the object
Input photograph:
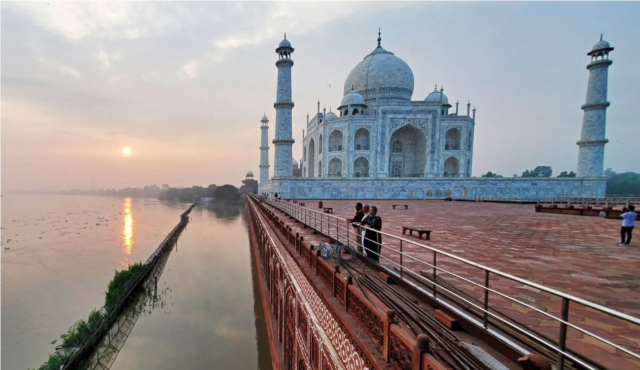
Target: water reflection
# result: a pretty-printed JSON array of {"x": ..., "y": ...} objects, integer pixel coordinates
[
  {"x": 127, "y": 231},
  {"x": 226, "y": 211},
  {"x": 144, "y": 303}
]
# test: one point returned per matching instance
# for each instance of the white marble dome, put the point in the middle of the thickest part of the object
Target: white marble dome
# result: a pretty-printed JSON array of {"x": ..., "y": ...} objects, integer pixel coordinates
[
  {"x": 284, "y": 43},
  {"x": 352, "y": 98},
  {"x": 249, "y": 174},
  {"x": 384, "y": 71},
  {"x": 264, "y": 118}
]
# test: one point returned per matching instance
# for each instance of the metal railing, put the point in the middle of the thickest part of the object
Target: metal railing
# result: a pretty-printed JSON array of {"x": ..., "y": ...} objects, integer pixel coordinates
[
  {"x": 592, "y": 202},
  {"x": 398, "y": 255}
]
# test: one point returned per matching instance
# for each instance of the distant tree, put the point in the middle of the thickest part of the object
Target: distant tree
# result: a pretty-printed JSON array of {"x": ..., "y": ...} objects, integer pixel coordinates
[
  {"x": 491, "y": 174},
  {"x": 609, "y": 172},
  {"x": 565, "y": 174},
  {"x": 540, "y": 171},
  {"x": 627, "y": 183},
  {"x": 227, "y": 194}
]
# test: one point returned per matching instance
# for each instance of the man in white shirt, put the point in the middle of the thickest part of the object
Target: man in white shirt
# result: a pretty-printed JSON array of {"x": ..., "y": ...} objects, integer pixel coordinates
[{"x": 628, "y": 222}]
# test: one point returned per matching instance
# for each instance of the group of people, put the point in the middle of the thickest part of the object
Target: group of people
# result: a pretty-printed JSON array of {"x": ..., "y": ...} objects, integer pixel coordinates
[{"x": 368, "y": 222}]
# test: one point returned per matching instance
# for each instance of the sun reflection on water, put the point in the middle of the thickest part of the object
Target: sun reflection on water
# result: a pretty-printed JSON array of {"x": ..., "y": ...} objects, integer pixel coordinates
[{"x": 127, "y": 231}]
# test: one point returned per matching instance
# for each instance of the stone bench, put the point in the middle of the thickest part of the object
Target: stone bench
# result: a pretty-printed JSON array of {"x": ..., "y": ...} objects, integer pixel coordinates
[
  {"x": 406, "y": 206},
  {"x": 419, "y": 231}
]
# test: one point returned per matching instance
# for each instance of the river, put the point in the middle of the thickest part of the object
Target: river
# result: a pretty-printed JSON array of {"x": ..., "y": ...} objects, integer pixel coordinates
[{"x": 60, "y": 252}]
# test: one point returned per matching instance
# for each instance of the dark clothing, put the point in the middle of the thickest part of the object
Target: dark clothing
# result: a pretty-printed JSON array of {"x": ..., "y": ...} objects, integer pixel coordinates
[
  {"x": 373, "y": 240},
  {"x": 625, "y": 231},
  {"x": 357, "y": 218}
]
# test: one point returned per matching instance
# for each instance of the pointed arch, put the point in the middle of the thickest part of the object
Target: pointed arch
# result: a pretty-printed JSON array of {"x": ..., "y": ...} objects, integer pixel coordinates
[
  {"x": 361, "y": 167},
  {"x": 335, "y": 141},
  {"x": 335, "y": 167},
  {"x": 320, "y": 144},
  {"x": 452, "y": 167},
  {"x": 408, "y": 152},
  {"x": 320, "y": 168},
  {"x": 452, "y": 139},
  {"x": 361, "y": 139},
  {"x": 312, "y": 157}
]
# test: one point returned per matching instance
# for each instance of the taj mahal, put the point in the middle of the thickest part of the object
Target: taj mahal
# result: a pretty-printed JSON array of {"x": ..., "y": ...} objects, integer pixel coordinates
[{"x": 381, "y": 144}]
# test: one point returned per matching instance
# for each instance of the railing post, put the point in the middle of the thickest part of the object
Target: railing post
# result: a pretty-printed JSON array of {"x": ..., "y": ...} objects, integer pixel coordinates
[
  {"x": 486, "y": 299},
  {"x": 562, "y": 340},
  {"x": 391, "y": 314},
  {"x": 434, "y": 274},
  {"x": 401, "y": 269}
]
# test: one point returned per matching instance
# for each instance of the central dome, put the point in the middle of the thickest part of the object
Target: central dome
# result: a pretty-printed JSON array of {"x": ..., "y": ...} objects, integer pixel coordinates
[{"x": 381, "y": 74}]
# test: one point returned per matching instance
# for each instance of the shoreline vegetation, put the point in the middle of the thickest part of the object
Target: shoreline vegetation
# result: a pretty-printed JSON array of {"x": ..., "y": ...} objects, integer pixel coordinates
[
  {"x": 119, "y": 292},
  {"x": 228, "y": 194},
  {"x": 121, "y": 283}
]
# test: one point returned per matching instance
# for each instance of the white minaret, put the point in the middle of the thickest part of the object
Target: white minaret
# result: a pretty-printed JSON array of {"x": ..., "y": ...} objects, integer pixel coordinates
[
  {"x": 592, "y": 140},
  {"x": 283, "y": 140},
  {"x": 264, "y": 152}
]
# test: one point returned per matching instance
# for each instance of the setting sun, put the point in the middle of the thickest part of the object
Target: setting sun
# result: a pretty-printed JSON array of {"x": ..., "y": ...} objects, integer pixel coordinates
[{"x": 126, "y": 151}]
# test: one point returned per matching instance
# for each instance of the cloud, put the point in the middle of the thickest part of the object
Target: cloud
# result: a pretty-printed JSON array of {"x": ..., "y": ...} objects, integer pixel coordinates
[
  {"x": 296, "y": 18},
  {"x": 61, "y": 67},
  {"x": 106, "y": 59},
  {"x": 105, "y": 20},
  {"x": 189, "y": 69}
]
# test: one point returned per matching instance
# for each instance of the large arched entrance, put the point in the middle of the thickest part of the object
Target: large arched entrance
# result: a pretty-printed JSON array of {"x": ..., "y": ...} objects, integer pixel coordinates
[
  {"x": 312, "y": 158},
  {"x": 407, "y": 152}
]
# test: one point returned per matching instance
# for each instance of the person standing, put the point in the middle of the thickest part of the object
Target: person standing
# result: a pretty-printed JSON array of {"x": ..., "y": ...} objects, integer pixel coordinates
[
  {"x": 355, "y": 222},
  {"x": 372, "y": 239},
  {"x": 628, "y": 222}
]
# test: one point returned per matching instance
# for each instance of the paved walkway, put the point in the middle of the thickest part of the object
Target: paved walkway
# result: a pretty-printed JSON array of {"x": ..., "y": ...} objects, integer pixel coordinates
[{"x": 577, "y": 255}]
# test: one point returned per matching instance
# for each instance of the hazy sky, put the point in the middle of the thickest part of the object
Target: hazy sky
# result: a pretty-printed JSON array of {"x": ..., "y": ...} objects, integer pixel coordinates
[{"x": 184, "y": 85}]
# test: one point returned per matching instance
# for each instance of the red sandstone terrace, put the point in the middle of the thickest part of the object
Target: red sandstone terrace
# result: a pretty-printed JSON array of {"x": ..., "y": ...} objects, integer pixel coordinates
[{"x": 571, "y": 254}]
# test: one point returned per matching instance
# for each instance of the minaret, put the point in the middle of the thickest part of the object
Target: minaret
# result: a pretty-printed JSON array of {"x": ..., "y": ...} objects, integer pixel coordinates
[
  {"x": 283, "y": 140},
  {"x": 592, "y": 140},
  {"x": 264, "y": 151}
]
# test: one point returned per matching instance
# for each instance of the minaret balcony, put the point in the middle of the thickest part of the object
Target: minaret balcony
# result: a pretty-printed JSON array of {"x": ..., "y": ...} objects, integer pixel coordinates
[
  {"x": 283, "y": 104},
  {"x": 596, "y": 106}
]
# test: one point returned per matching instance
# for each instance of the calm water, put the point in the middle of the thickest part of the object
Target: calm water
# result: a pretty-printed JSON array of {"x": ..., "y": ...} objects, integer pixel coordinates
[{"x": 64, "y": 250}]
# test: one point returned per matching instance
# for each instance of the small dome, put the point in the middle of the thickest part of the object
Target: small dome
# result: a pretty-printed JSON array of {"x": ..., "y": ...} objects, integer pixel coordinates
[
  {"x": 284, "y": 43},
  {"x": 249, "y": 174},
  {"x": 435, "y": 98},
  {"x": 352, "y": 98},
  {"x": 601, "y": 45},
  {"x": 330, "y": 116},
  {"x": 294, "y": 163},
  {"x": 264, "y": 118}
]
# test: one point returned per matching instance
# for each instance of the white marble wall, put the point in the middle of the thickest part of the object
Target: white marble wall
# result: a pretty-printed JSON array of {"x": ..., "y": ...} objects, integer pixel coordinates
[{"x": 467, "y": 188}]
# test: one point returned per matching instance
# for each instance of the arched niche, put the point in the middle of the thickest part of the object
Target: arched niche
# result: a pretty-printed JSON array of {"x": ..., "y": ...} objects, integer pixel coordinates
[
  {"x": 451, "y": 167},
  {"x": 312, "y": 157},
  {"x": 320, "y": 144},
  {"x": 320, "y": 169},
  {"x": 335, "y": 141},
  {"x": 361, "y": 167},
  {"x": 335, "y": 168},
  {"x": 361, "y": 139},
  {"x": 452, "y": 139},
  {"x": 408, "y": 152}
]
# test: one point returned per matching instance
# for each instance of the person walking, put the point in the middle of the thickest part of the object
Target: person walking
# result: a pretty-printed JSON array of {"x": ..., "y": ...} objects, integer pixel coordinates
[
  {"x": 372, "y": 240},
  {"x": 628, "y": 222}
]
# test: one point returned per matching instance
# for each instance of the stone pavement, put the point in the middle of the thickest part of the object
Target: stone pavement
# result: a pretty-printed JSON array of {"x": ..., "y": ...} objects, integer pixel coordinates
[{"x": 576, "y": 255}]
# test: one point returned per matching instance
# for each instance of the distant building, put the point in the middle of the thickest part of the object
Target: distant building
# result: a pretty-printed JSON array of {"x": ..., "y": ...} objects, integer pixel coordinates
[
  {"x": 249, "y": 184},
  {"x": 381, "y": 144}
]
